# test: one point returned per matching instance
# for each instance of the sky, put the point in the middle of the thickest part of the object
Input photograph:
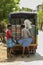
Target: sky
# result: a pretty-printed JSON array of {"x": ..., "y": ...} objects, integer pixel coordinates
[{"x": 30, "y": 3}]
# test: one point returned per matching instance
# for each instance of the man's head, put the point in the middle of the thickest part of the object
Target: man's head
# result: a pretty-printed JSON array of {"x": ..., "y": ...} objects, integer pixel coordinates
[
  {"x": 9, "y": 26},
  {"x": 22, "y": 26}
]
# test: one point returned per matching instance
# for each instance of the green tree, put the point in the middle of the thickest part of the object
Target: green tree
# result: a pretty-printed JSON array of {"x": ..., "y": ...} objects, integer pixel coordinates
[
  {"x": 26, "y": 9},
  {"x": 40, "y": 17},
  {"x": 6, "y": 6}
]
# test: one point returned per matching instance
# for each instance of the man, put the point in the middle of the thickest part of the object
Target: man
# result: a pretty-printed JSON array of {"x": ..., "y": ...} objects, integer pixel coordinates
[
  {"x": 10, "y": 41},
  {"x": 25, "y": 41}
]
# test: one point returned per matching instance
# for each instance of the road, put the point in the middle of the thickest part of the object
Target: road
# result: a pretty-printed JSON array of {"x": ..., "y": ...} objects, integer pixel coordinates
[{"x": 36, "y": 59}]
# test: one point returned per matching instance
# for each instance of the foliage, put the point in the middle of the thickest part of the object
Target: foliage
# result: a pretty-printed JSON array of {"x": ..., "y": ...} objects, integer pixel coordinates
[
  {"x": 40, "y": 16},
  {"x": 6, "y": 6},
  {"x": 26, "y": 9}
]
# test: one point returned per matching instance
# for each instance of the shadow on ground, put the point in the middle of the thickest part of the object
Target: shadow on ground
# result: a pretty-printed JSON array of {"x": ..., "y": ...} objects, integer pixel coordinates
[{"x": 32, "y": 57}]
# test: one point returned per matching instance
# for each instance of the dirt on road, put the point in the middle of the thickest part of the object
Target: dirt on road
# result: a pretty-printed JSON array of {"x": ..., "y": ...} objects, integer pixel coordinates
[{"x": 3, "y": 52}]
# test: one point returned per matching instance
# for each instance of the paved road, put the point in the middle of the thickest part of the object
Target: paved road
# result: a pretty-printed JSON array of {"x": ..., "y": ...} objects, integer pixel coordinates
[{"x": 36, "y": 59}]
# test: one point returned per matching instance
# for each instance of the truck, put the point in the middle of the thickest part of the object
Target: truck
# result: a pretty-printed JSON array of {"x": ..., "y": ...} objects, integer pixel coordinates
[{"x": 16, "y": 19}]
